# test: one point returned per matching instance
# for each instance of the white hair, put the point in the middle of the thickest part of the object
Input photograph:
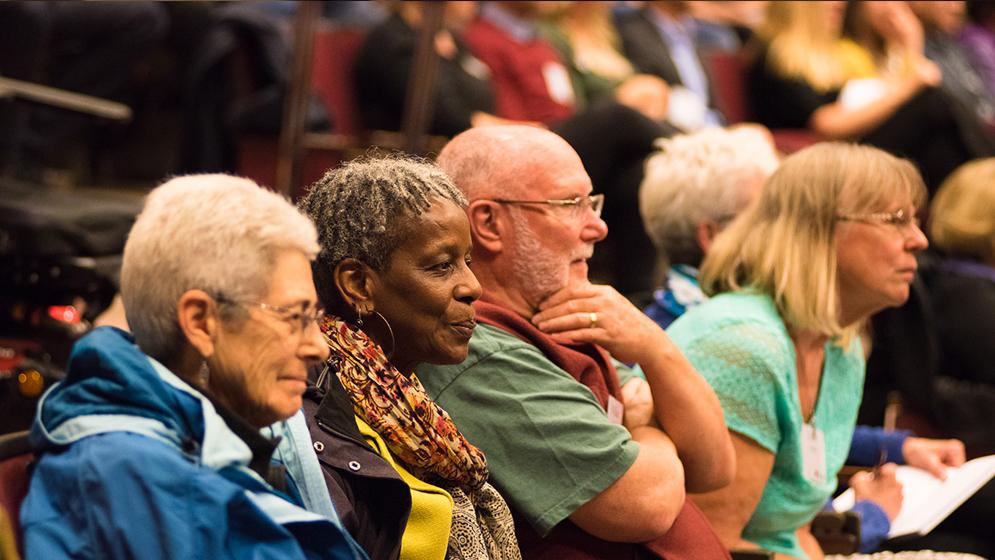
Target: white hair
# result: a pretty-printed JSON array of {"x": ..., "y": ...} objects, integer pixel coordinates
[
  {"x": 216, "y": 233},
  {"x": 698, "y": 177}
]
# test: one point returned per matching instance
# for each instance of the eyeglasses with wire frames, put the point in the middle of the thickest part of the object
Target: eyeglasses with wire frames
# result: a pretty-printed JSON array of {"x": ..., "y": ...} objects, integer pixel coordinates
[
  {"x": 303, "y": 317},
  {"x": 576, "y": 205},
  {"x": 900, "y": 219}
]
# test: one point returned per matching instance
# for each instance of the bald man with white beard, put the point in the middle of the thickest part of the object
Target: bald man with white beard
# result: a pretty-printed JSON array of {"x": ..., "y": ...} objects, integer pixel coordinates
[{"x": 594, "y": 457}]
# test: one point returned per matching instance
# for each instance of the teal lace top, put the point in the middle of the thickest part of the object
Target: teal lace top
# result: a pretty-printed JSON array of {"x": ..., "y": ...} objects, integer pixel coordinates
[{"x": 739, "y": 343}]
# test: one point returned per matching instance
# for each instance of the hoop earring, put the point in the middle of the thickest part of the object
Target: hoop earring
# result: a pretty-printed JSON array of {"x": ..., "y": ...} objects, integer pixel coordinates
[
  {"x": 390, "y": 331},
  {"x": 359, "y": 316}
]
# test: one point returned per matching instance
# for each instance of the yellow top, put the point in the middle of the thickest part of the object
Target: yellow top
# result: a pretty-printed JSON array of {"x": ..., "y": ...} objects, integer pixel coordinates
[
  {"x": 857, "y": 62},
  {"x": 426, "y": 535}
]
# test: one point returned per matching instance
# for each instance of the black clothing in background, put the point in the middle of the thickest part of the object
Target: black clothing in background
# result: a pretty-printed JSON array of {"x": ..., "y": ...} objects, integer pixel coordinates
[
  {"x": 964, "y": 307},
  {"x": 84, "y": 47},
  {"x": 383, "y": 69},
  {"x": 779, "y": 102},
  {"x": 923, "y": 130},
  {"x": 906, "y": 357}
]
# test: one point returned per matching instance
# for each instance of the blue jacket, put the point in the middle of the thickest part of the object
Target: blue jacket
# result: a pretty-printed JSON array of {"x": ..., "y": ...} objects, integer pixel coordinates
[{"x": 135, "y": 463}]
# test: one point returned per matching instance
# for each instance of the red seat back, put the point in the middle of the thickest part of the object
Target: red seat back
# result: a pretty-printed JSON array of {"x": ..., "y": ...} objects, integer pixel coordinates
[
  {"x": 15, "y": 455},
  {"x": 335, "y": 51},
  {"x": 727, "y": 70}
]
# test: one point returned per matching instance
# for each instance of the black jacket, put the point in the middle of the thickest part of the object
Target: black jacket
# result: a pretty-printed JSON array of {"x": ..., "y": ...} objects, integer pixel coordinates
[{"x": 369, "y": 496}]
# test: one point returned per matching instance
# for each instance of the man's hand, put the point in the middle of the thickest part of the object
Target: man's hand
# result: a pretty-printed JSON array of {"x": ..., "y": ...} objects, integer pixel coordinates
[
  {"x": 933, "y": 455},
  {"x": 599, "y": 314},
  {"x": 881, "y": 487},
  {"x": 638, "y": 402}
]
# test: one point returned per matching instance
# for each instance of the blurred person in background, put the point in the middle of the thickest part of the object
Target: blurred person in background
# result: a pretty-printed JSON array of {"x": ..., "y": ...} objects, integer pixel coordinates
[
  {"x": 797, "y": 80},
  {"x": 977, "y": 39},
  {"x": 942, "y": 22},
  {"x": 463, "y": 96},
  {"x": 962, "y": 225},
  {"x": 586, "y": 38},
  {"x": 663, "y": 39}
]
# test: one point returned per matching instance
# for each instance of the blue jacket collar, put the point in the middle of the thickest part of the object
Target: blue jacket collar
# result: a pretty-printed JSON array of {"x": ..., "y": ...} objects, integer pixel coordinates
[{"x": 111, "y": 386}]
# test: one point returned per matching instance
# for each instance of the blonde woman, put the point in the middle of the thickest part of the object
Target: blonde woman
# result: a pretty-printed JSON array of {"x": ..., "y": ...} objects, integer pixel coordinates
[
  {"x": 798, "y": 76},
  {"x": 831, "y": 240},
  {"x": 883, "y": 40}
]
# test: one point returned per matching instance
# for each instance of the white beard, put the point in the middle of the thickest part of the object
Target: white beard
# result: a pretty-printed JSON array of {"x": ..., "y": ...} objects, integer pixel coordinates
[{"x": 539, "y": 271}]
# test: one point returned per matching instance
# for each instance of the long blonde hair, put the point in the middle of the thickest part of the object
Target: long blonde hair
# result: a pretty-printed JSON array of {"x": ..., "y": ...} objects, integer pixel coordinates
[
  {"x": 801, "y": 44},
  {"x": 784, "y": 245}
]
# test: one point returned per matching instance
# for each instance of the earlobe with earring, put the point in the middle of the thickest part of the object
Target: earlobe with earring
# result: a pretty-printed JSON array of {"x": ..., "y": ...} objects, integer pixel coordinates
[
  {"x": 363, "y": 310},
  {"x": 390, "y": 331},
  {"x": 204, "y": 374}
]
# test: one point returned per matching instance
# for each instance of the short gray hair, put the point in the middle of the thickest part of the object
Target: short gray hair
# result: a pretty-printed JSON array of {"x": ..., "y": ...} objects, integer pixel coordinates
[
  {"x": 361, "y": 209},
  {"x": 216, "y": 233},
  {"x": 699, "y": 177}
]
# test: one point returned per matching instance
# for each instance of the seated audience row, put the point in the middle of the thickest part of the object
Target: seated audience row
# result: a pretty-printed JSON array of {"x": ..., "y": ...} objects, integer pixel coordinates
[{"x": 225, "y": 287}]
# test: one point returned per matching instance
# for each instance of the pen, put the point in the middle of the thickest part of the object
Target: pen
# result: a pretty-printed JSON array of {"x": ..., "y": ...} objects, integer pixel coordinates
[{"x": 882, "y": 457}]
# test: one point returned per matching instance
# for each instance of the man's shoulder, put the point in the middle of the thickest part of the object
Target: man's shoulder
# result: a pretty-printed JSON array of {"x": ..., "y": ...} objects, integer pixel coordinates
[
  {"x": 495, "y": 353},
  {"x": 493, "y": 345}
]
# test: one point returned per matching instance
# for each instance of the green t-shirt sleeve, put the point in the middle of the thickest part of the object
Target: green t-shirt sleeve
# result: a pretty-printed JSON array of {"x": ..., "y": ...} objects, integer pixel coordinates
[
  {"x": 745, "y": 366},
  {"x": 627, "y": 373},
  {"x": 549, "y": 444}
]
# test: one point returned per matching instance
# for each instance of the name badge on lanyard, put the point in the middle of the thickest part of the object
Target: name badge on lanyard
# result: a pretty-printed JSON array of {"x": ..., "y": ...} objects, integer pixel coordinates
[
  {"x": 813, "y": 454},
  {"x": 615, "y": 410}
]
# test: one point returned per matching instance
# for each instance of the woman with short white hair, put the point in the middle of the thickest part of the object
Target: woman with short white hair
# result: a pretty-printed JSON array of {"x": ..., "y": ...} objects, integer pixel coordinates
[
  {"x": 151, "y": 446},
  {"x": 693, "y": 187}
]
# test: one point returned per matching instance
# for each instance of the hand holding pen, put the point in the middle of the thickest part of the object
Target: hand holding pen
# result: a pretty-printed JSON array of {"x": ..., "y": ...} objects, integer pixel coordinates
[{"x": 881, "y": 487}]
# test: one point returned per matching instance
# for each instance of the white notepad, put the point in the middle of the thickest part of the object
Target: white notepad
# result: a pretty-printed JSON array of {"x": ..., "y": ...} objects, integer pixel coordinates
[{"x": 927, "y": 500}]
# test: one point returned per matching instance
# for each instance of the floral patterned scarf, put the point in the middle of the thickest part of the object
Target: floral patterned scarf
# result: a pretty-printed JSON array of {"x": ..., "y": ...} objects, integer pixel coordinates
[{"x": 423, "y": 436}]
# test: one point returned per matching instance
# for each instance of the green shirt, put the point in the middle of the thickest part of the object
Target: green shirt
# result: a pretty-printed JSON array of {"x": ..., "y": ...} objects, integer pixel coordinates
[
  {"x": 549, "y": 444},
  {"x": 739, "y": 343}
]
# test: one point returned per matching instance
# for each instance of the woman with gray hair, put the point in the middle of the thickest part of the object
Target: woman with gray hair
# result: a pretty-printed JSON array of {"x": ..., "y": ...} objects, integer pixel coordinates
[
  {"x": 394, "y": 273},
  {"x": 151, "y": 446},
  {"x": 693, "y": 187}
]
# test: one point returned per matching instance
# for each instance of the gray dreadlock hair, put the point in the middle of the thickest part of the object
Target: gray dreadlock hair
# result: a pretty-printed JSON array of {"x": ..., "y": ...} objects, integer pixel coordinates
[{"x": 361, "y": 209}]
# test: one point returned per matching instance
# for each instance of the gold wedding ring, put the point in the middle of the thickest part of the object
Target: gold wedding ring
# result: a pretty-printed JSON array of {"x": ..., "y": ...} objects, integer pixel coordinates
[{"x": 594, "y": 319}]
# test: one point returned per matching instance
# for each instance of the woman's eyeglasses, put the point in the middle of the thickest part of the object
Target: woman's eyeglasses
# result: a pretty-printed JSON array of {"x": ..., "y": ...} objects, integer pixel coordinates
[
  {"x": 304, "y": 316},
  {"x": 900, "y": 219},
  {"x": 576, "y": 205}
]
